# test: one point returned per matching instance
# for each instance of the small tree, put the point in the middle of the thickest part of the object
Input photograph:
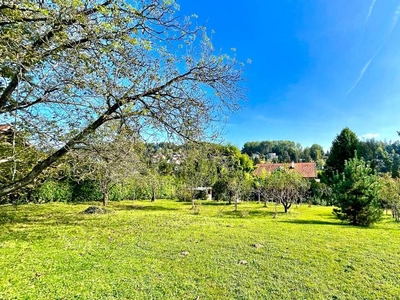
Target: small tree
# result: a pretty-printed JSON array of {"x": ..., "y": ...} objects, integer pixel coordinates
[
  {"x": 286, "y": 186},
  {"x": 356, "y": 193},
  {"x": 196, "y": 170},
  {"x": 390, "y": 193},
  {"x": 239, "y": 184},
  {"x": 107, "y": 161}
]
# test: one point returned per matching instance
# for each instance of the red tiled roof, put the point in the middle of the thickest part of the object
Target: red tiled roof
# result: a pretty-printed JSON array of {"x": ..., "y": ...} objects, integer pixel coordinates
[
  {"x": 307, "y": 170},
  {"x": 5, "y": 127}
]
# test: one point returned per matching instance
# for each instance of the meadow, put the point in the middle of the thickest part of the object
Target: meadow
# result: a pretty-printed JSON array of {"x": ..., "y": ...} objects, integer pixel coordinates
[{"x": 165, "y": 250}]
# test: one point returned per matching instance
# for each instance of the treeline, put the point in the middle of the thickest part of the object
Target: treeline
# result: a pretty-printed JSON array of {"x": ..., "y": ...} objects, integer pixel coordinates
[
  {"x": 120, "y": 168},
  {"x": 284, "y": 152},
  {"x": 383, "y": 156}
]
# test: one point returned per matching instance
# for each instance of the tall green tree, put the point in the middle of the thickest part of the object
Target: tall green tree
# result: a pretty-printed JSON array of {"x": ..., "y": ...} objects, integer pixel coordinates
[
  {"x": 71, "y": 66},
  {"x": 316, "y": 152},
  {"x": 356, "y": 193},
  {"x": 396, "y": 166},
  {"x": 343, "y": 148}
]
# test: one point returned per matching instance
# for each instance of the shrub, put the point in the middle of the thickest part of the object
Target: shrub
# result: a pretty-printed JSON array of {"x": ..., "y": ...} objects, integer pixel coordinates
[
  {"x": 52, "y": 191},
  {"x": 86, "y": 191}
]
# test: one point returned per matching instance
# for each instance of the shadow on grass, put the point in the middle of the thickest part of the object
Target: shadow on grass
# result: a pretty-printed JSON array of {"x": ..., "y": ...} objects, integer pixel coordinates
[
  {"x": 45, "y": 219},
  {"x": 142, "y": 207},
  {"x": 251, "y": 214},
  {"x": 314, "y": 222},
  {"x": 206, "y": 202},
  {"x": 215, "y": 203}
]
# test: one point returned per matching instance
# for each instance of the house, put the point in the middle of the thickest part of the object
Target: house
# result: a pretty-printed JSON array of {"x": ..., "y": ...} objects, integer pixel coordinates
[
  {"x": 306, "y": 169},
  {"x": 6, "y": 133},
  {"x": 207, "y": 190},
  {"x": 9, "y": 135},
  {"x": 272, "y": 156}
]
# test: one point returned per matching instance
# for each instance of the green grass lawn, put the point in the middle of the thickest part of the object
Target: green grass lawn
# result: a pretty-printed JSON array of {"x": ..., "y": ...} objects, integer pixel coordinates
[{"x": 51, "y": 251}]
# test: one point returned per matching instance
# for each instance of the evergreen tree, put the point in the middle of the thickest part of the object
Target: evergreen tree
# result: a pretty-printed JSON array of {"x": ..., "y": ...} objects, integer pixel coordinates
[
  {"x": 343, "y": 149},
  {"x": 396, "y": 166},
  {"x": 356, "y": 193}
]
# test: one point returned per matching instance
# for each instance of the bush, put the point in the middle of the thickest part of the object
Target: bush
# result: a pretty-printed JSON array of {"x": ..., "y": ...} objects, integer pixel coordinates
[
  {"x": 184, "y": 194},
  {"x": 320, "y": 193},
  {"x": 52, "y": 191},
  {"x": 86, "y": 191}
]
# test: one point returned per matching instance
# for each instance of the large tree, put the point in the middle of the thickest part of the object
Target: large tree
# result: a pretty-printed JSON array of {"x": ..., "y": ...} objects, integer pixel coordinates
[
  {"x": 343, "y": 148},
  {"x": 316, "y": 152},
  {"x": 70, "y": 66}
]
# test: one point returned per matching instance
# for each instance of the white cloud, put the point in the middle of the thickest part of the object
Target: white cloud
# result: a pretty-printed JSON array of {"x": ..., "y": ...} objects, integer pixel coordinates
[
  {"x": 371, "y": 7},
  {"x": 395, "y": 18},
  {"x": 364, "y": 69},
  {"x": 369, "y": 136}
]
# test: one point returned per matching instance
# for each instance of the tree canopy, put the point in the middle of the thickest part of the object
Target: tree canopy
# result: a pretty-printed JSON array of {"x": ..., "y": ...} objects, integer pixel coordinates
[
  {"x": 343, "y": 148},
  {"x": 69, "y": 67}
]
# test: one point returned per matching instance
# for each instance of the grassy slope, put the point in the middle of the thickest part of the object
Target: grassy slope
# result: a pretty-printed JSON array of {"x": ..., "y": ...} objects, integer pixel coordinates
[{"x": 52, "y": 252}]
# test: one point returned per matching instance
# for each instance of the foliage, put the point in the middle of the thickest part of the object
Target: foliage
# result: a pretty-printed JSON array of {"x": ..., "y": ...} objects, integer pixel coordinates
[
  {"x": 286, "y": 151},
  {"x": 50, "y": 251},
  {"x": 316, "y": 152},
  {"x": 69, "y": 67},
  {"x": 343, "y": 148},
  {"x": 55, "y": 191},
  {"x": 285, "y": 186},
  {"x": 356, "y": 193},
  {"x": 17, "y": 157},
  {"x": 197, "y": 169},
  {"x": 390, "y": 193},
  {"x": 234, "y": 178},
  {"x": 320, "y": 193},
  {"x": 107, "y": 159},
  {"x": 85, "y": 191}
]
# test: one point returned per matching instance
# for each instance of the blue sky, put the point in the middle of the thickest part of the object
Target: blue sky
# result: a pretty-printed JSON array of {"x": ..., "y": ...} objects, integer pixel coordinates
[{"x": 317, "y": 66}]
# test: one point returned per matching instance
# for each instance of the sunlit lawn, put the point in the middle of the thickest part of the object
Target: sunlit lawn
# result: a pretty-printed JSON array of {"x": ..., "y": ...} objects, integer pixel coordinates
[{"x": 51, "y": 251}]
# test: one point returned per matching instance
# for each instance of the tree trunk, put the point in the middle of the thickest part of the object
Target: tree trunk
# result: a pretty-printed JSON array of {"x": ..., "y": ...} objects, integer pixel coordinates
[
  {"x": 236, "y": 203},
  {"x": 193, "y": 203},
  {"x": 153, "y": 194},
  {"x": 276, "y": 210},
  {"x": 354, "y": 219},
  {"x": 105, "y": 198},
  {"x": 287, "y": 206}
]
